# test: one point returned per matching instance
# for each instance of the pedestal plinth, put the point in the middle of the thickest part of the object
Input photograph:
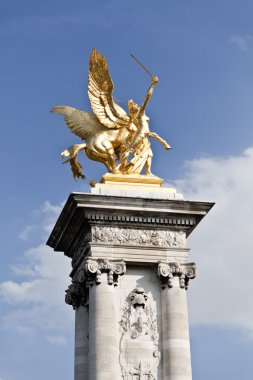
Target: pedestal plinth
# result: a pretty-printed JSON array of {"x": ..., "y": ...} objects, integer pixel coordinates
[{"x": 129, "y": 279}]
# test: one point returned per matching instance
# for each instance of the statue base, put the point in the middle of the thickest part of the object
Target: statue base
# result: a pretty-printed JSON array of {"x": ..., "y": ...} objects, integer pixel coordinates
[
  {"x": 137, "y": 179},
  {"x": 134, "y": 185}
]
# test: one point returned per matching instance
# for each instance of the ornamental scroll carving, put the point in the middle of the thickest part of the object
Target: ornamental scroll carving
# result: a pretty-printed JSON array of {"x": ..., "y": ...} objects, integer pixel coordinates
[
  {"x": 88, "y": 274},
  {"x": 138, "y": 237},
  {"x": 90, "y": 271},
  {"x": 138, "y": 326},
  {"x": 76, "y": 295},
  {"x": 95, "y": 267},
  {"x": 167, "y": 271}
]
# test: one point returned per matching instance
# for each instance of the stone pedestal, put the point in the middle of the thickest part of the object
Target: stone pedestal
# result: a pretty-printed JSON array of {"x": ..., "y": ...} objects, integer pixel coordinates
[{"x": 129, "y": 280}]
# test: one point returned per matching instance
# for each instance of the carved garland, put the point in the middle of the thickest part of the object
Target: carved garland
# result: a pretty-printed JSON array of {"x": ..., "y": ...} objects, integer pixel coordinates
[
  {"x": 143, "y": 237},
  {"x": 185, "y": 272}
]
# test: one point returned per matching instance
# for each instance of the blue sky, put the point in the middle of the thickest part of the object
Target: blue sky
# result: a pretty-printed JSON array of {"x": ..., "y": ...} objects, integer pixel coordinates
[{"x": 202, "y": 52}]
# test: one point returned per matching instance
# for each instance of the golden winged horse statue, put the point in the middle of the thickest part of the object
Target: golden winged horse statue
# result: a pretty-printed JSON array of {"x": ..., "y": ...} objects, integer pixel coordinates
[{"x": 117, "y": 139}]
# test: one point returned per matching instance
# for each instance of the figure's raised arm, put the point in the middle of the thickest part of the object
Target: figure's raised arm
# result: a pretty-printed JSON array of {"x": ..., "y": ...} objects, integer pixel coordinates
[
  {"x": 158, "y": 138},
  {"x": 148, "y": 95}
]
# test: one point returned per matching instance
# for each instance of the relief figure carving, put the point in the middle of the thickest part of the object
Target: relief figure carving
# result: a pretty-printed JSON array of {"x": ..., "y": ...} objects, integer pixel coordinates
[{"x": 135, "y": 237}]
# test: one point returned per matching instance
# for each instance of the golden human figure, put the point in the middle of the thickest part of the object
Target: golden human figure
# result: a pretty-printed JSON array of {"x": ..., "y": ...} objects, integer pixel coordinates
[{"x": 118, "y": 140}]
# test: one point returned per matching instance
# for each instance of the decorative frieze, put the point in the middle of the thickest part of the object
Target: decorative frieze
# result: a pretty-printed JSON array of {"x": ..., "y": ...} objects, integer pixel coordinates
[
  {"x": 138, "y": 237},
  {"x": 168, "y": 270}
]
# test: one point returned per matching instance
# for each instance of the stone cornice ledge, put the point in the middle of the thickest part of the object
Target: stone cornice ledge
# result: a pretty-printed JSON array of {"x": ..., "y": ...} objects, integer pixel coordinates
[{"x": 83, "y": 210}]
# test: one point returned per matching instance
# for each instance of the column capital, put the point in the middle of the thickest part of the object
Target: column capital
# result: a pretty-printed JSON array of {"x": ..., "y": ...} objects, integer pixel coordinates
[
  {"x": 76, "y": 295},
  {"x": 95, "y": 267},
  {"x": 168, "y": 270},
  {"x": 90, "y": 270},
  {"x": 89, "y": 274}
]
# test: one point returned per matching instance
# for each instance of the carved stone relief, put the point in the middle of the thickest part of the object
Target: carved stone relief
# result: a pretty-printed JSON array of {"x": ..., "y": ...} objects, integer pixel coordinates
[
  {"x": 141, "y": 237},
  {"x": 76, "y": 295},
  {"x": 88, "y": 274},
  {"x": 185, "y": 272},
  {"x": 113, "y": 268},
  {"x": 139, "y": 354}
]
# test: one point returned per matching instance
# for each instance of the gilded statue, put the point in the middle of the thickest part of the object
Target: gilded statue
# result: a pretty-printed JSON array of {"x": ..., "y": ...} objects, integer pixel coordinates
[{"x": 111, "y": 136}]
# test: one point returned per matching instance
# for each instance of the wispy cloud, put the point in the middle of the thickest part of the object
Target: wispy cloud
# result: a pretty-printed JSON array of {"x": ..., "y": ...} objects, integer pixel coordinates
[
  {"x": 36, "y": 303},
  {"x": 43, "y": 221},
  {"x": 241, "y": 41},
  {"x": 222, "y": 244},
  {"x": 26, "y": 233}
]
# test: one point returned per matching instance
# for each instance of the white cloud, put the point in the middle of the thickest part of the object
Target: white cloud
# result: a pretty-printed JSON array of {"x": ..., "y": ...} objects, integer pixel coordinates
[
  {"x": 241, "y": 41},
  {"x": 36, "y": 303},
  {"x": 26, "y": 233},
  {"x": 45, "y": 270},
  {"x": 50, "y": 214},
  {"x": 43, "y": 221},
  {"x": 222, "y": 243}
]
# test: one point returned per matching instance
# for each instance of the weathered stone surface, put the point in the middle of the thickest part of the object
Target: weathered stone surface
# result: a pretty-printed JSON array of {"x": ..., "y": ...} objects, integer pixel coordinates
[
  {"x": 175, "y": 332},
  {"x": 81, "y": 343}
]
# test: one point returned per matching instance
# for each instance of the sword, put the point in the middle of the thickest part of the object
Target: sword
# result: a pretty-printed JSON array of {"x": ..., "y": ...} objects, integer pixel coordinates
[{"x": 144, "y": 68}]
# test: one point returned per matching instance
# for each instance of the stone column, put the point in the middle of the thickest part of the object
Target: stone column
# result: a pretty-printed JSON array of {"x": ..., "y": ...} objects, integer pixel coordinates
[
  {"x": 175, "y": 330},
  {"x": 76, "y": 295},
  {"x": 81, "y": 343},
  {"x": 103, "y": 326}
]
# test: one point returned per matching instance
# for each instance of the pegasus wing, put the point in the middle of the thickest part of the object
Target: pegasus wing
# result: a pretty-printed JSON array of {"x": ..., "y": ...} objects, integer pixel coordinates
[
  {"x": 81, "y": 123},
  {"x": 100, "y": 90}
]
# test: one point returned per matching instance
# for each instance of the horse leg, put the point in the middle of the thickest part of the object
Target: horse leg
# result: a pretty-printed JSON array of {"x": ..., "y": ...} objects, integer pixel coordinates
[
  {"x": 110, "y": 155},
  {"x": 71, "y": 154},
  {"x": 96, "y": 155}
]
